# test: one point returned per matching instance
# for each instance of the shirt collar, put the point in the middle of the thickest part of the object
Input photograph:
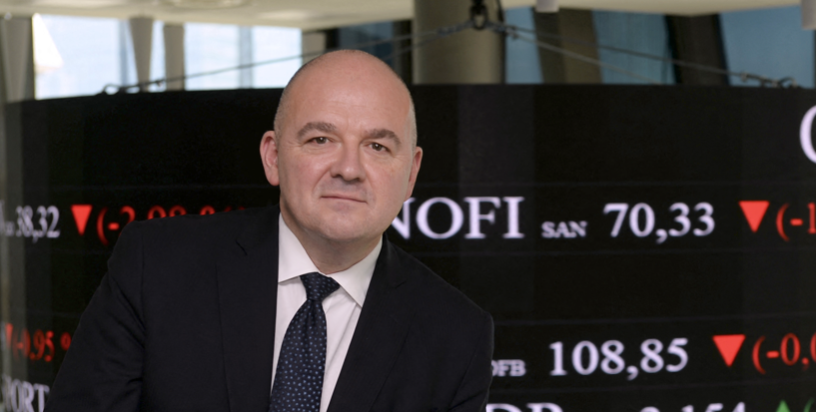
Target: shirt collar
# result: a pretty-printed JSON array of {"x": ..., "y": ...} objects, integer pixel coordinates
[{"x": 293, "y": 261}]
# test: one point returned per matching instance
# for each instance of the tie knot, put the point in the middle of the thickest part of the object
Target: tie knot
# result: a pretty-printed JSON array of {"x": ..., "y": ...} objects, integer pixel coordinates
[{"x": 318, "y": 286}]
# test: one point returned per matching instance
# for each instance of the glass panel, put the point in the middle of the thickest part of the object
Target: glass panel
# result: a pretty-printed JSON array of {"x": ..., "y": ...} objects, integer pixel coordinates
[
  {"x": 211, "y": 47},
  {"x": 89, "y": 48},
  {"x": 645, "y": 33},
  {"x": 271, "y": 43},
  {"x": 353, "y": 36},
  {"x": 522, "y": 64},
  {"x": 780, "y": 49}
]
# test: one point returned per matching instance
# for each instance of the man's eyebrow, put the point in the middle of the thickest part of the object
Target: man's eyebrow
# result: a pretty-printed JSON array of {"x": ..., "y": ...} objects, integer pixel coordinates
[
  {"x": 383, "y": 134},
  {"x": 319, "y": 126}
]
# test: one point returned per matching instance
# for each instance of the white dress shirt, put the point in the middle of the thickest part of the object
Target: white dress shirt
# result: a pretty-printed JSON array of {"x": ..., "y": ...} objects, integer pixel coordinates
[{"x": 342, "y": 307}]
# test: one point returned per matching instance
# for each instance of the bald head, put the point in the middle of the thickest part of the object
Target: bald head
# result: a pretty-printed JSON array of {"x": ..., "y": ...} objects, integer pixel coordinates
[
  {"x": 340, "y": 66},
  {"x": 344, "y": 155}
]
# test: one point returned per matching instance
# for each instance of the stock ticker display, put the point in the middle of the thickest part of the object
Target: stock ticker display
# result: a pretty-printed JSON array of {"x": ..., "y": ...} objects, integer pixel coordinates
[{"x": 648, "y": 249}]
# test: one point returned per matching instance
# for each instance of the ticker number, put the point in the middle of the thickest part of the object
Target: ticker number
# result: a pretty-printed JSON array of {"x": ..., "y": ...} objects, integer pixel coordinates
[
  {"x": 586, "y": 358},
  {"x": 33, "y": 223},
  {"x": 642, "y": 222},
  {"x": 713, "y": 407}
]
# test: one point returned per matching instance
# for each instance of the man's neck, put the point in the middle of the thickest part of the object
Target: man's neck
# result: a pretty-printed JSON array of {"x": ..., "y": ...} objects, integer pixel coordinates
[{"x": 331, "y": 257}]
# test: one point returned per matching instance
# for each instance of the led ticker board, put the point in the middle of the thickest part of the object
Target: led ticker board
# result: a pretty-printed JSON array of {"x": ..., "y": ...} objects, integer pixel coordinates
[{"x": 646, "y": 249}]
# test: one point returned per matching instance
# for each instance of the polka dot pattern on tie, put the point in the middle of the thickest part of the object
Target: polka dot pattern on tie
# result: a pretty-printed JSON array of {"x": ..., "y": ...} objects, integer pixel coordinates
[{"x": 298, "y": 382}]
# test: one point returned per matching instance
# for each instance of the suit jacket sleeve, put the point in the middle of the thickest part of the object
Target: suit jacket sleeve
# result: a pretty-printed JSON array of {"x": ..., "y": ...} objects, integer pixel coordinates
[
  {"x": 472, "y": 392},
  {"x": 102, "y": 370}
]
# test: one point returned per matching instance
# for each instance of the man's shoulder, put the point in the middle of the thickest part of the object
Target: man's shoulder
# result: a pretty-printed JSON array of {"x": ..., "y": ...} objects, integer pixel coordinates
[
  {"x": 173, "y": 252},
  {"x": 195, "y": 235},
  {"x": 436, "y": 296},
  {"x": 204, "y": 227}
]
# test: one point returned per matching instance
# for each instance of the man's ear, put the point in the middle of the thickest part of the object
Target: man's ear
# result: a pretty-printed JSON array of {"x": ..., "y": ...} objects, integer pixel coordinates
[
  {"x": 269, "y": 157},
  {"x": 416, "y": 161}
]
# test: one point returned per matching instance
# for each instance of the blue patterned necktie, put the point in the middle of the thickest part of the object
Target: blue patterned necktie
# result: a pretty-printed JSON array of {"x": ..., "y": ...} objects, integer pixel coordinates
[{"x": 299, "y": 377}]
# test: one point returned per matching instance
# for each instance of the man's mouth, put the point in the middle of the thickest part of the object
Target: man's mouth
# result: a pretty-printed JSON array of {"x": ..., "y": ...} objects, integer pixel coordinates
[{"x": 344, "y": 197}]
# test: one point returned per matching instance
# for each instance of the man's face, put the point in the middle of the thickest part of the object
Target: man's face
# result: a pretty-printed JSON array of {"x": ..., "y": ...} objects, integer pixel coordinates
[{"x": 344, "y": 158}]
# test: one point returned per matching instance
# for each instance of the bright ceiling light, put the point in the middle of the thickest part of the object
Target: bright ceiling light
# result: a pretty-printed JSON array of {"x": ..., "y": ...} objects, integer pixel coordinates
[
  {"x": 551, "y": 6},
  {"x": 299, "y": 15},
  {"x": 79, "y": 4},
  {"x": 207, "y": 4}
]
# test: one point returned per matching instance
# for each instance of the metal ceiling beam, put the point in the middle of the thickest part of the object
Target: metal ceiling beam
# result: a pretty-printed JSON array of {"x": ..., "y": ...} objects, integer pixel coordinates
[{"x": 322, "y": 14}]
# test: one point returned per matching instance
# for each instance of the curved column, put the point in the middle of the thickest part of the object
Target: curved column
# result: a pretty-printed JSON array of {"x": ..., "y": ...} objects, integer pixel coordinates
[
  {"x": 18, "y": 57},
  {"x": 141, "y": 34},
  {"x": 174, "y": 55},
  {"x": 469, "y": 56}
]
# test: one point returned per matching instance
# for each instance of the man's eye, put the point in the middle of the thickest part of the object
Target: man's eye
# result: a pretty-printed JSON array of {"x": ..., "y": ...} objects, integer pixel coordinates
[
  {"x": 320, "y": 140},
  {"x": 378, "y": 147}
]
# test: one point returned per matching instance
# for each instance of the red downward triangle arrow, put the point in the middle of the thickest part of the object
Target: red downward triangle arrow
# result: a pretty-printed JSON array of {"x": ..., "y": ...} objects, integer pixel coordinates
[
  {"x": 754, "y": 212},
  {"x": 81, "y": 215},
  {"x": 729, "y": 346}
]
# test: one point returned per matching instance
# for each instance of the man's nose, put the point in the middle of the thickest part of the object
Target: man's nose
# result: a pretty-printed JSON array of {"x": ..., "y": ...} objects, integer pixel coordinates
[{"x": 349, "y": 164}]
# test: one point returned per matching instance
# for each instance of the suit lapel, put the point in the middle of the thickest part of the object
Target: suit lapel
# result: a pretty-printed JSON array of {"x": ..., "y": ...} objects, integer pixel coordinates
[
  {"x": 247, "y": 292},
  {"x": 378, "y": 337}
]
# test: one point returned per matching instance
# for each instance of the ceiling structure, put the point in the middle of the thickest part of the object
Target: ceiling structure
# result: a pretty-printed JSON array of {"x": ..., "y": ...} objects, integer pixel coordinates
[{"x": 320, "y": 14}]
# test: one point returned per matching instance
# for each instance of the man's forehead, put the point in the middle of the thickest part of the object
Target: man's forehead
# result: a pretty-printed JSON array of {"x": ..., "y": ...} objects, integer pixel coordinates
[
  {"x": 346, "y": 63},
  {"x": 347, "y": 102},
  {"x": 349, "y": 71},
  {"x": 342, "y": 80},
  {"x": 332, "y": 85},
  {"x": 327, "y": 127}
]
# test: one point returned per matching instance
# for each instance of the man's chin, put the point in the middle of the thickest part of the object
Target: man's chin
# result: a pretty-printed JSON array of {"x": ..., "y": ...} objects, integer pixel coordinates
[
  {"x": 348, "y": 232},
  {"x": 342, "y": 235},
  {"x": 344, "y": 208}
]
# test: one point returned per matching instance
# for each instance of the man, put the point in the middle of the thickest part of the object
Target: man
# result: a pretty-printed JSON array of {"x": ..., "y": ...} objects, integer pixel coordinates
[{"x": 303, "y": 308}]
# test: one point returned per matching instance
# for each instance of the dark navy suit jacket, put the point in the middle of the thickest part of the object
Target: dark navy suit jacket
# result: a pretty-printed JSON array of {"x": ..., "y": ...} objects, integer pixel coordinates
[{"x": 184, "y": 320}]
